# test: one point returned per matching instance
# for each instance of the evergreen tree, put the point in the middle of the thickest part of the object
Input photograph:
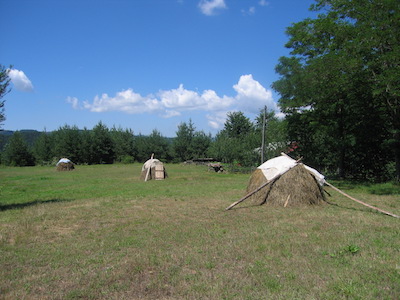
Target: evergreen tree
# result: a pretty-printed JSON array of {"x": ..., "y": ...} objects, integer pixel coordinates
[
  {"x": 43, "y": 149},
  {"x": 16, "y": 152},
  {"x": 237, "y": 142},
  {"x": 154, "y": 143},
  {"x": 102, "y": 146},
  {"x": 124, "y": 145},
  {"x": 67, "y": 143},
  {"x": 182, "y": 144}
]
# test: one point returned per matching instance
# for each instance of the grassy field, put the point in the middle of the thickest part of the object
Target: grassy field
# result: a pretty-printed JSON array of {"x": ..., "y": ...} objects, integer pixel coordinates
[{"x": 99, "y": 232}]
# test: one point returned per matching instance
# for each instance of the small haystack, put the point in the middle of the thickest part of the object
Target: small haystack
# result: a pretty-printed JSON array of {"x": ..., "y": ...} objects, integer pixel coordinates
[
  {"x": 64, "y": 164},
  {"x": 153, "y": 169}
]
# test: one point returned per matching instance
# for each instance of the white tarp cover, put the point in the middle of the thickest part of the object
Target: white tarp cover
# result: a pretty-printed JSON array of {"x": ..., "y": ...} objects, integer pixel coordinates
[
  {"x": 64, "y": 160},
  {"x": 281, "y": 164},
  {"x": 151, "y": 163}
]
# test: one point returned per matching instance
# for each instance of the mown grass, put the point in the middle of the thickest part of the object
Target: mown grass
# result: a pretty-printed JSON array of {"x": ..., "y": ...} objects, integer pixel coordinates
[{"x": 100, "y": 233}]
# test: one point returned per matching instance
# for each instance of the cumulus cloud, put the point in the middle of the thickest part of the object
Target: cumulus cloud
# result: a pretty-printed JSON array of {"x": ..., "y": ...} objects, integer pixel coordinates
[
  {"x": 250, "y": 97},
  {"x": 20, "y": 80},
  {"x": 263, "y": 3},
  {"x": 209, "y": 7}
]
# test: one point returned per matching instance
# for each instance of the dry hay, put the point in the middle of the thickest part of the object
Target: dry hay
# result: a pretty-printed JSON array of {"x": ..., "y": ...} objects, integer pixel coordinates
[
  {"x": 152, "y": 173},
  {"x": 296, "y": 187},
  {"x": 65, "y": 166}
]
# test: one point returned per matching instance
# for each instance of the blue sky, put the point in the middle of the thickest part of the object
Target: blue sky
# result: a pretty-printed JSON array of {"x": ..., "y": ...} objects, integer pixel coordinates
[{"x": 142, "y": 64}]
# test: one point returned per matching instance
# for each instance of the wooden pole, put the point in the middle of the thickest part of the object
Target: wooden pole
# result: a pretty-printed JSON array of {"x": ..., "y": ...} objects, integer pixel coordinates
[
  {"x": 148, "y": 170},
  {"x": 249, "y": 194},
  {"x": 363, "y": 203}
]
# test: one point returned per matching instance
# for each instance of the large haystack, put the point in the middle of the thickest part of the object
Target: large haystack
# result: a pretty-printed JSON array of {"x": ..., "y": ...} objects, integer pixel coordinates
[
  {"x": 64, "y": 164},
  {"x": 153, "y": 169},
  {"x": 296, "y": 187}
]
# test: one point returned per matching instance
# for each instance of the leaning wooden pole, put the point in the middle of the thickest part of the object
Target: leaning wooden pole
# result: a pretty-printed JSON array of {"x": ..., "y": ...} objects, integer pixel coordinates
[
  {"x": 363, "y": 203},
  {"x": 249, "y": 194}
]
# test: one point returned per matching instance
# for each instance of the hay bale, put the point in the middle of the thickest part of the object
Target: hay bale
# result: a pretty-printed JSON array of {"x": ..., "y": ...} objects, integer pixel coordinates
[
  {"x": 62, "y": 166},
  {"x": 298, "y": 184}
]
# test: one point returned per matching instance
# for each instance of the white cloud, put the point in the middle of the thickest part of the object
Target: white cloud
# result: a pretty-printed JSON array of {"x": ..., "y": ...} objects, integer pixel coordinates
[
  {"x": 74, "y": 102},
  {"x": 250, "y": 97},
  {"x": 249, "y": 12},
  {"x": 263, "y": 3},
  {"x": 209, "y": 7},
  {"x": 217, "y": 120},
  {"x": 125, "y": 101},
  {"x": 20, "y": 80}
]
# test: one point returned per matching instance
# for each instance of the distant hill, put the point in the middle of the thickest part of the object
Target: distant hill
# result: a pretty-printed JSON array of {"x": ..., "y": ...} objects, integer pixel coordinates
[{"x": 29, "y": 135}]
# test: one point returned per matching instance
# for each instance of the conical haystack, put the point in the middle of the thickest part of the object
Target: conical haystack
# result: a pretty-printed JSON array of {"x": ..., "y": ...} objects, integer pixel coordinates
[{"x": 296, "y": 187}]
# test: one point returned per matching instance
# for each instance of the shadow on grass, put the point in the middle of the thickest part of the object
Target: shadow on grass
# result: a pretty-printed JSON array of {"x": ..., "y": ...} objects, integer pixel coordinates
[{"x": 32, "y": 203}]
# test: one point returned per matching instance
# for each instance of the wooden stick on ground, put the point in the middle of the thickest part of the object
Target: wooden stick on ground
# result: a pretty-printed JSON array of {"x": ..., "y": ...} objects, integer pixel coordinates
[
  {"x": 287, "y": 200},
  {"x": 363, "y": 203}
]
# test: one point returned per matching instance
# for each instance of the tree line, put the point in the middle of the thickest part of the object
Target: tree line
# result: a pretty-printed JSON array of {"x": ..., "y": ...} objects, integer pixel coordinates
[{"x": 238, "y": 143}]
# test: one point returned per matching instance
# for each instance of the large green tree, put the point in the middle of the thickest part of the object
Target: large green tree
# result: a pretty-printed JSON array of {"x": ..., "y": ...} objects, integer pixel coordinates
[{"x": 341, "y": 86}]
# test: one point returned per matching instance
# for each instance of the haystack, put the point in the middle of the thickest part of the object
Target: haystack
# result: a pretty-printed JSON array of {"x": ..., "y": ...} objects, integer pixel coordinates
[
  {"x": 282, "y": 181},
  {"x": 64, "y": 164},
  {"x": 153, "y": 169},
  {"x": 296, "y": 187}
]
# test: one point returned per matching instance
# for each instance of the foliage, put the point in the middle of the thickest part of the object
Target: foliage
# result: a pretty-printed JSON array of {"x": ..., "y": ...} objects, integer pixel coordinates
[
  {"x": 190, "y": 143},
  {"x": 102, "y": 145},
  {"x": 43, "y": 149},
  {"x": 124, "y": 144},
  {"x": 340, "y": 89},
  {"x": 4, "y": 89},
  {"x": 16, "y": 152},
  {"x": 154, "y": 143}
]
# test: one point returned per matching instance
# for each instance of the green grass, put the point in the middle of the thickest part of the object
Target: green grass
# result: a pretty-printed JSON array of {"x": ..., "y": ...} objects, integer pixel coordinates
[{"x": 99, "y": 232}]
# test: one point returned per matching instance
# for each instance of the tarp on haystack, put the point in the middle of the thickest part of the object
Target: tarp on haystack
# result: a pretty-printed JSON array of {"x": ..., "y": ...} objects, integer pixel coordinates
[
  {"x": 64, "y": 164},
  {"x": 283, "y": 181},
  {"x": 153, "y": 169}
]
